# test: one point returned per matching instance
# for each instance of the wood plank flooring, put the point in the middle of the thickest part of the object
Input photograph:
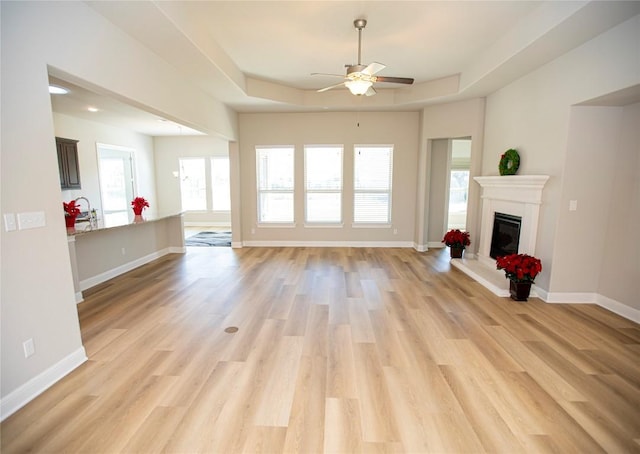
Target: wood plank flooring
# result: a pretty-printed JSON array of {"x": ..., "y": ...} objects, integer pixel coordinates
[{"x": 337, "y": 350}]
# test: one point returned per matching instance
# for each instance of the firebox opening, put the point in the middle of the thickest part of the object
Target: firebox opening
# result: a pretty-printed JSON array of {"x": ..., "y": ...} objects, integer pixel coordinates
[{"x": 506, "y": 235}]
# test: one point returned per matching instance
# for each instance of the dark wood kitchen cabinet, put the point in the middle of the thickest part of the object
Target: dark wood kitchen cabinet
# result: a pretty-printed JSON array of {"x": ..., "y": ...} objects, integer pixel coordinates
[{"x": 68, "y": 163}]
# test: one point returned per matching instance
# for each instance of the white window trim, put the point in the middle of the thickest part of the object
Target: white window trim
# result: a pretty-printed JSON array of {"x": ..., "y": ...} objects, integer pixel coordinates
[
  {"x": 210, "y": 190},
  {"x": 381, "y": 225},
  {"x": 207, "y": 188},
  {"x": 324, "y": 224},
  {"x": 371, "y": 225},
  {"x": 274, "y": 224}
]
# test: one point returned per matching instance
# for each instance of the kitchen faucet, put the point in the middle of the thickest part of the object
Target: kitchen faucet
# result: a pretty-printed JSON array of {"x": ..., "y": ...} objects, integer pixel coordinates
[{"x": 90, "y": 214}]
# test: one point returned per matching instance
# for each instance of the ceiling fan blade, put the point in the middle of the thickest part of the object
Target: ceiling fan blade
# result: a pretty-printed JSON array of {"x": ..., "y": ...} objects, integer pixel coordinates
[
  {"x": 395, "y": 80},
  {"x": 330, "y": 87},
  {"x": 370, "y": 92},
  {"x": 327, "y": 74},
  {"x": 373, "y": 68}
]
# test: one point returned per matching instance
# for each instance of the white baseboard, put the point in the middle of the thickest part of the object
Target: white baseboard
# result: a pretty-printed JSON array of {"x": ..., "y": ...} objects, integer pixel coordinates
[
  {"x": 225, "y": 225},
  {"x": 236, "y": 245},
  {"x": 420, "y": 247},
  {"x": 79, "y": 297},
  {"x": 566, "y": 297},
  {"x": 497, "y": 284},
  {"x": 612, "y": 305},
  {"x": 617, "y": 307},
  {"x": 18, "y": 398},
  {"x": 387, "y": 244},
  {"x": 117, "y": 271},
  {"x": 435, "y": 244}
]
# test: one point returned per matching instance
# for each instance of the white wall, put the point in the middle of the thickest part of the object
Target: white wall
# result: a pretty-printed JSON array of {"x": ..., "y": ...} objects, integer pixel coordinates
[
  {"x": 620, "y": 264},
  {"x": 91, "y": 49},
  {"x": 438, "y": 191},
  {"x": 168, "y": 151},
  {"x": 532, "y": 115},
  {"x": 595, "y": 249},
  {"x": 397, "y": 128},
  {"x": 453, "y": 120},
  {"x": 588, "y": 178},
  {"x": 88, "y": 133}
]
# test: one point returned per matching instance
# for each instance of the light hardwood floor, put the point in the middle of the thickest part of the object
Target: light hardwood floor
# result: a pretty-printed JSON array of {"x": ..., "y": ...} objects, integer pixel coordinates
[{"x": 337, "y": 350}]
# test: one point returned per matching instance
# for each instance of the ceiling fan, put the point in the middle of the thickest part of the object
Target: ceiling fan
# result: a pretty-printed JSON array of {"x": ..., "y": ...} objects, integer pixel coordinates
[{"x": 360, "y": 78}]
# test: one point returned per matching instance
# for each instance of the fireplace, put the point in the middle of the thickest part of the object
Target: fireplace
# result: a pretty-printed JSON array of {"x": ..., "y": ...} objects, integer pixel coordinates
[
  {"x": 512, "y": 198},
  {"x": 506, "y": 235}
]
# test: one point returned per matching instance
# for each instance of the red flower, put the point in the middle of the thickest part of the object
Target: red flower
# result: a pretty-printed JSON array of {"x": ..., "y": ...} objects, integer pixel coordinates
[
  {"x": 71, "y": 209},
  {"x": 139, "y": 203},
  {"x": 456, "y": 238},
  {"x": 519, "y": 267}
]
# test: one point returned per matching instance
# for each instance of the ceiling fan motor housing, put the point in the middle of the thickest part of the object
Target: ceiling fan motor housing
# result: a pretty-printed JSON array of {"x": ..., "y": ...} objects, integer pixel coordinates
[{"x": 355, "y": 68}]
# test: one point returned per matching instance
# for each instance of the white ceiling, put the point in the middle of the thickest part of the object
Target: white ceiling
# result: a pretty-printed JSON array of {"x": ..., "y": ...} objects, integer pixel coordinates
[{"x": 259, "y": 55}]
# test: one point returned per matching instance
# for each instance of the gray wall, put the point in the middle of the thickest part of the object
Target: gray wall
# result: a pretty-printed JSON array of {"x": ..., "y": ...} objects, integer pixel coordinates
[
  {"x": 33, "y": 44},
  {"x": 533, "y": 115},
  {"x": 438, "y": 191},
  {"x": 397, "y": 128},
  {"x": 168, "y": 151}
]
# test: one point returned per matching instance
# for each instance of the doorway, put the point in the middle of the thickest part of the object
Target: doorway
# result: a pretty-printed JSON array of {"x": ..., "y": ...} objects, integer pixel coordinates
[
  {"x": 458, "y": 185},
  {"x": 117, "y": 182}
]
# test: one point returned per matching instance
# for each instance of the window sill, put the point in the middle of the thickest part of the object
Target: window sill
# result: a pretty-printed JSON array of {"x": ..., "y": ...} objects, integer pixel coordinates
[
  {"x": 320, "y": 225},
  {"x": 371, "y": 226},
  {"x": 276, "y": 225}
]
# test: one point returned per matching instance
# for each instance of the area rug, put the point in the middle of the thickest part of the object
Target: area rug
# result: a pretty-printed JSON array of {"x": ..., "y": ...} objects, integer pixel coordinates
[{"x": 209, "y": 239}]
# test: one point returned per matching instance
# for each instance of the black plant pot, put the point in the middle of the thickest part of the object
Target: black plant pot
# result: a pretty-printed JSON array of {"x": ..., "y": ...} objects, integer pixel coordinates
[
  {"x": 519, "y": 290},
  {"x": 456, "y": 252}
]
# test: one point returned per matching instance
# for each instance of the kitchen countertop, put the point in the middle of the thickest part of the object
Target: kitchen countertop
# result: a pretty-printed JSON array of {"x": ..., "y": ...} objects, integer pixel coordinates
[{"x": 85, "y": 228}]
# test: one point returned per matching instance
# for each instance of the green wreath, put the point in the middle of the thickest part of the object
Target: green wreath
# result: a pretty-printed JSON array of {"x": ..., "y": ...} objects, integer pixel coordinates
[{"x": 509, "y": 162}]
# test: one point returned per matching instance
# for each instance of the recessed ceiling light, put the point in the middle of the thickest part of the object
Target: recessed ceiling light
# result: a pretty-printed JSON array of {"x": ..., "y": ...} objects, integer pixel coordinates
[
  {"x": 55, "y": 90},
  {"x": 92, "y": 109}
]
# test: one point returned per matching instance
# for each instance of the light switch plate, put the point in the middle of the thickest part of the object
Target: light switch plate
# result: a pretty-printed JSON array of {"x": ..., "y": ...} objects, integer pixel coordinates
[
  {"x": 31, "y": 220},
  {"x": 9, "y": 222},
  {"x": 29, "y": 348}
]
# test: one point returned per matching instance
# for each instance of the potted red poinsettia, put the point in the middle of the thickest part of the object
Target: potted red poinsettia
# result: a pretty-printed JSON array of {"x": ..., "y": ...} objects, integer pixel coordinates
[
  {"x": 71, "y": 212},
  {"x": 139, "y": 204},
  {"x": 457, "y": 240},
  {"x": 521, "y": 270}
]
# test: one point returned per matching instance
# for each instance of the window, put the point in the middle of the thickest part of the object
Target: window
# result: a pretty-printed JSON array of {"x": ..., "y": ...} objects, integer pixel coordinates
[
  {"x": 323, "y": 184},
  {"x": 220, "y": 184},
  {"x": 274, "y": 170},
  {"x": 459, "y": 183},
  {"x": 115, "y": 168},
  {"x": 193, "y": 184},
  {"x": 373, "y": 168}
]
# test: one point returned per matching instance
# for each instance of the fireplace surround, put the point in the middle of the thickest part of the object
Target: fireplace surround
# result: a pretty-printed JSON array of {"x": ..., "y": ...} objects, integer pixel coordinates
[{"x": 513, "y": 195}]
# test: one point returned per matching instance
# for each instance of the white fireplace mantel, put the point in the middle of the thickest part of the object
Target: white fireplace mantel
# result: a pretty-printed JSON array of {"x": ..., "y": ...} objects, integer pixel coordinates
[{"x": 517, "y": 195}]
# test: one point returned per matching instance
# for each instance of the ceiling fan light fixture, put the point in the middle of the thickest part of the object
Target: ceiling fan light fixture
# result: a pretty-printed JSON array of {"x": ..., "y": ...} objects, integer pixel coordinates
[
  {"x": 56, "y": 90},
  {"x": 358, "y": 87}
]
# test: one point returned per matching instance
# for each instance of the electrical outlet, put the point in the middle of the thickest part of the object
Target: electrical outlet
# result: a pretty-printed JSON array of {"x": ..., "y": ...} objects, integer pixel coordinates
[
  {"x": 29, "y": 348},
  {"x": 395, "y": 231},
  {"x": 573, "y": 205},
  {"x": 123, "y": 251}
]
